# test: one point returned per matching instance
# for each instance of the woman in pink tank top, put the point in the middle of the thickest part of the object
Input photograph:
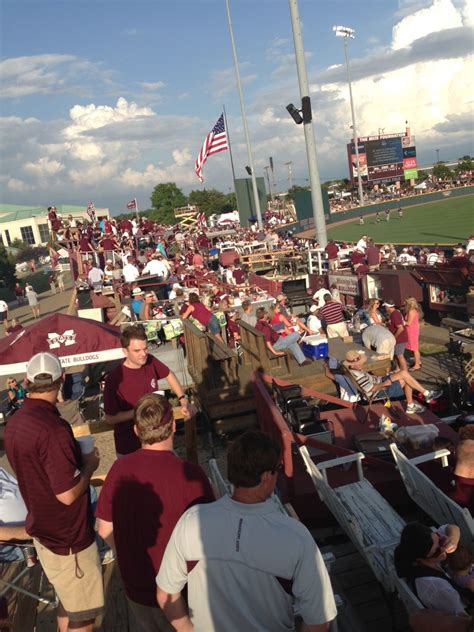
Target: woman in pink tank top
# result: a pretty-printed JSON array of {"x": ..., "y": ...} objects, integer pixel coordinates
[{"x": 412, "y": 326}]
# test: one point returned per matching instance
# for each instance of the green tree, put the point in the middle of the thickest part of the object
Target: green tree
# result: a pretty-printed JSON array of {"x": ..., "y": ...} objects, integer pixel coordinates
[
  {"x": 164, "y": 199},
  {"x": 440, "y": 170},
  {"x": 7, "y": 269},
  {"x": 211, "y": 201},
  {"x": 466, "y": 163}
]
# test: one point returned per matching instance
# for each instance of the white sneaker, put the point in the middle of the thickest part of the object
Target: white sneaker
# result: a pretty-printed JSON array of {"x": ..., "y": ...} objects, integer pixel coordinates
[
  {"x": 433, "y": 395},
  {"x": 414, "y": 408}
]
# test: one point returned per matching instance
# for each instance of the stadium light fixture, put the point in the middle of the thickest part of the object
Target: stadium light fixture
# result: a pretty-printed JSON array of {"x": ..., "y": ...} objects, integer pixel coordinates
[
  {"x": 294, "y": 113},
  {"x": 348, "y": 33}
]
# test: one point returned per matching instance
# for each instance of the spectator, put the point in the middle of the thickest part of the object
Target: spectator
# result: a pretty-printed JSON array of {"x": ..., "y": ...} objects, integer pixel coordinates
[
  {"x": 460, "y": 567},
  {"x": 318, "y": 296},
  {"x": 137, "y": 301},
  {"x": 332, "y": 250},
  {"x": 234, "y": 583},
  {"x": 278, "y": 344},
  {"x": 130, "y": 271},
  {"x": 313, "y": 323},
  {"x": 60, "y": 279},
  {"x": 333, "y": 316},
  {"x": 53, "y": 478},
  {"x": 463, "y": 492},
  {"x": 204, "y": 316},
  {"x": 248, "y": 316},
  {"x": 412, "y": 325},
  {"x": 397, "y": 326},
  {"x": 20, "y": 294},
  {"x": 375, "y": 317},
  {"x": 143, "y": 496},
  {"x": 15, "y": 394},
  {"x": 156, "y": 266},
  {"x": 138, "y": 375},
  {"x": 394, "y": 384},
  {"x": 233, "y": 329},
  {"x": 418, "y": 559},
  {"x": 379, "y": 339},
  {"x": 32, "y": 298},
  {"x": 373, "y": 255},
  {"x": 95, "y": 277},
  {"x": 336, "y": 295},
  {"x": 4, "y": 314}
]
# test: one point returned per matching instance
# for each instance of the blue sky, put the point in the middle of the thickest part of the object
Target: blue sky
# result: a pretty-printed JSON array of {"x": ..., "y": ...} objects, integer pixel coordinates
[{"x": 103, "y": 100}]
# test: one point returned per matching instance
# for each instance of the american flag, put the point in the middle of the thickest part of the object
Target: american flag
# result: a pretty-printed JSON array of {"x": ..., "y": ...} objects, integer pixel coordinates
[
  {"x": 215, "y": 142},
  {"x": 91, "y": 210},
  {"x": 132, "y": 204}
]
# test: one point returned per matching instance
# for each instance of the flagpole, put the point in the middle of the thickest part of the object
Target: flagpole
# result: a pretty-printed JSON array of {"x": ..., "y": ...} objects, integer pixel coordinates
[
  {"x": 244, "y": 119},
  {"x": 136, "y": 208},
  {"x": 228, "y": 142}
]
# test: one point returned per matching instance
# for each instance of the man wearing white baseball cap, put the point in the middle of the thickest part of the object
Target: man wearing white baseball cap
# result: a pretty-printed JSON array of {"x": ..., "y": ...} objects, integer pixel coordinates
[{"x": 53, "y": 476}]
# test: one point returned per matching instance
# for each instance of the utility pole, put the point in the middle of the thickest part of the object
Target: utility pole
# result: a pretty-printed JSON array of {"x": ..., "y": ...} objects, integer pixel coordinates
[
  {"x": 269, "y": 183},
  {"x": 289, "y": 164}
]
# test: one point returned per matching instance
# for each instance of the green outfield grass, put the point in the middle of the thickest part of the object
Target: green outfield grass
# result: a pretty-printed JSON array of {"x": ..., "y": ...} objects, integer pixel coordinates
[{"x": 444, "y": 222}]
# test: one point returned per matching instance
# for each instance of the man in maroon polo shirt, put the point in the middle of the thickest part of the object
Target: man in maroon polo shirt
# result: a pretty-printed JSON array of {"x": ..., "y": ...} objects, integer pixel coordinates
[
  {"x": 396, "y": 325},
  {"x": 373, "y": 255},
  {"x": 138, "y": 375},
  {"x": 332, "y": 250},
  {"x": 54, "y": 477},
  {"x": 142, "y": 499}
]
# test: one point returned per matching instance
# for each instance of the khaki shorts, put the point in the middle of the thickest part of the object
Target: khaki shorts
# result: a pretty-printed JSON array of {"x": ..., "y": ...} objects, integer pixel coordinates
[{"x": 77, "y": 580}]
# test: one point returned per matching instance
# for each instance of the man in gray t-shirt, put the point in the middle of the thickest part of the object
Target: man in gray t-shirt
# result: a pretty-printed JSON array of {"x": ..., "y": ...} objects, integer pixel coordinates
[
  {"x": 380, "y": 339},
  {"x": 243, "y": 560}
]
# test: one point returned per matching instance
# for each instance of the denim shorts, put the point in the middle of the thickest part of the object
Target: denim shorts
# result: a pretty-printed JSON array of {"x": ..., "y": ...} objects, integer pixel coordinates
[
  {"x": 393, "y": 389},
  {"x": 213, "y": 325},
  {"x": 400, "y": 348}
]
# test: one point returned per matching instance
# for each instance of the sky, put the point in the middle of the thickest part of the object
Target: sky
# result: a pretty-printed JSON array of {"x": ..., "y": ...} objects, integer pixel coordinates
[{"x": 101, "y": 101}]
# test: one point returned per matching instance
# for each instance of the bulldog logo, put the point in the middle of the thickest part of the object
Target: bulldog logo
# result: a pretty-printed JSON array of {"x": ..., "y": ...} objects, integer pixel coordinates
[{"x": 67, "y": 338}]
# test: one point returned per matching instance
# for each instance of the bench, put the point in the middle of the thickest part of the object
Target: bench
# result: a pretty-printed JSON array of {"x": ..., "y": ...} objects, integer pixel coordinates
[
  {"x": 226, "y": 357},
  {"x": 256, "y": 353},
  {"x": 369, "y": 521},
  {"x": 429, "y": 497}
]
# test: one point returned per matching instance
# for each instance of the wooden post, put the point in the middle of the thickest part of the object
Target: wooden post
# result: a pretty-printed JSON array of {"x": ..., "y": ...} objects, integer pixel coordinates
[{"x": 72, "y": 303}]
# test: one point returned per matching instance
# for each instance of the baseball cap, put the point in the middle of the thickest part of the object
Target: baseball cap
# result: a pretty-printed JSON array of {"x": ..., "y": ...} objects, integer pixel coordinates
[
  {"x": 389, "y": 303},
  {"x": 43, "y": 368},
  {"x": 136, "y": 291}
]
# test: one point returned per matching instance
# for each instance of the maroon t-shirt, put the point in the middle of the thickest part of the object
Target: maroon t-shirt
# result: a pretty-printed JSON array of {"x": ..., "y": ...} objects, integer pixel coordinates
[
  {"x": 267, "y": 330},
  {"x": 396, "y": 319},
  {"x": 332, "y": 250},
  {"x": 84, "y": 244},
  {"x": 357, "y": 257},
  {"x": 47, "y": 461},
  {"x": 144, "y": 495},
  {"x": 201, "y": 313},
  {"x": 123, "y": 388},
  {"x": 463, "y": 492},
  {"x": 108, "y": 243},
  {"x": 373, "y": 255}
]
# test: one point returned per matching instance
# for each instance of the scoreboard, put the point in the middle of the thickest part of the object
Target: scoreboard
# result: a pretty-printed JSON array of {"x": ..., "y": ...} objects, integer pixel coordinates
[{"x": 387, "y": 158}]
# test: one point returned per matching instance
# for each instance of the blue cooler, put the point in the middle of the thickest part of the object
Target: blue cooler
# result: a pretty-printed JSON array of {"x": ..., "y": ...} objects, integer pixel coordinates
[{"x": 315, "y": 347}]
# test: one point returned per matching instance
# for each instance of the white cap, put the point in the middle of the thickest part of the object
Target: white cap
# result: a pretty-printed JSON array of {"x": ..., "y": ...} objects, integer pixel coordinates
[
  {"x": 45, "y": 365},
  {"x": 136, "y": 291}
]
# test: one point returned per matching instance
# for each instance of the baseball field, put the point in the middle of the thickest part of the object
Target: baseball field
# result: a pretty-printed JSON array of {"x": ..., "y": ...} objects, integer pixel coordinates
[{"x": 445, "y": 222}]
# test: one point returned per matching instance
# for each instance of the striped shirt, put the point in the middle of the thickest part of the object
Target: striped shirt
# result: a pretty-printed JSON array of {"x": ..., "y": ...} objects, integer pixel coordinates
[
  {"x": 365, "y": 380},
  {"x": 332, "y": 313}
]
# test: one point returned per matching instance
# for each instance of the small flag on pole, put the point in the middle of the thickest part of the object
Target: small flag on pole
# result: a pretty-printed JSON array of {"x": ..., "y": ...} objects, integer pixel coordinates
[
  {"x": 91, "y": 211},
  {"x": 214, "y": 142},
  {"x": 132, "y": 204}
]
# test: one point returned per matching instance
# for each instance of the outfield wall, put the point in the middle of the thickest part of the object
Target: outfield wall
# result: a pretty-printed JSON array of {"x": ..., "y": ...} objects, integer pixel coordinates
[{"x": 303, "y": 199}]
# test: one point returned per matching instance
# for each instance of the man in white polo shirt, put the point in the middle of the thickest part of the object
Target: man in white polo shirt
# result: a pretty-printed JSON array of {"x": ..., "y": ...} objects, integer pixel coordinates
[{"x": 243, "y": 560}]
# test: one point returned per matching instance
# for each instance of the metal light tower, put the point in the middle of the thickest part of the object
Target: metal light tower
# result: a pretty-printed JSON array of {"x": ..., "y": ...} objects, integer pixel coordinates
[
  {"x": 289, "y": 164},
  {"x": 306, "y": 119},
  {"x": 244, "y": 119},
  {"x": 348, "y": 33}
]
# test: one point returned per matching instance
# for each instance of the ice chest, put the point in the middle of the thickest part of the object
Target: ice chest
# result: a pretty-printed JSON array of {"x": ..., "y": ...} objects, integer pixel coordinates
[{"x": 315, "y": 347}]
